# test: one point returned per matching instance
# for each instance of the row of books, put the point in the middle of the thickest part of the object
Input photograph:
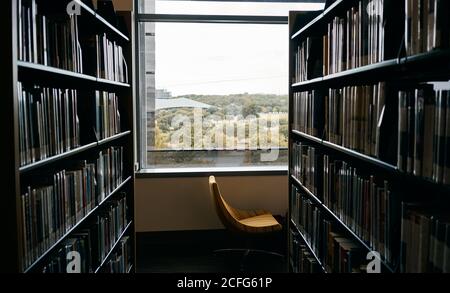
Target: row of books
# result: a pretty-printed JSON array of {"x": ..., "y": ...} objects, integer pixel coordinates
[
  {"x": 90, "y": 242},
  {"x": 343, "y": 254},
  {"x": 424, "y": 133},
  {"x": 367, "y": 206},
  {"x": 425, "y": 239},
  {"x": 48, "y": 122},
  {"x": 107, "y": 116},
  {"x": 358, "y": 38},
  {"x": 53, "y": 40},
  {"x": 49, "y": 211},
  {"x": 66, "y": 260},
  {"x": 355, "y": 40},
  {"x": 111, "y": 62},
  {"x": 120, "y": 262},
  {"x": 305, "y": 166},
  {"x": 110, "y": 172},
  {"x": 308, "y": 113},
  {"x": 50, "y": 40},
  {"x": 353, "y": 117},
  {"x": 350, "y": 117},
  {"x": 307, "y": 60},
  {"x": 308, "y": 220},
  {"x": 337, "y": 253},
  {"x": 302, "y": 261},
  {"x": 111, "y": 222},
  {"x": 426, "y": 25}
]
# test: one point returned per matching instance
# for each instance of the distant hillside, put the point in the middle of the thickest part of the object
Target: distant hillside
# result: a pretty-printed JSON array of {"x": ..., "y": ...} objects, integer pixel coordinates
[{"x": 262, "y": 102}]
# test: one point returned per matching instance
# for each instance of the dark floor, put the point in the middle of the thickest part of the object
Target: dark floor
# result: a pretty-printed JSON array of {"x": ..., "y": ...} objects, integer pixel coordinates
[{"x": 194, "y": 252}]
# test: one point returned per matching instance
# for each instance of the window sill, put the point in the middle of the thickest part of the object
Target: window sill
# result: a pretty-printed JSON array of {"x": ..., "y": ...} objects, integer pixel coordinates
[{"x": 216, "y": 171}]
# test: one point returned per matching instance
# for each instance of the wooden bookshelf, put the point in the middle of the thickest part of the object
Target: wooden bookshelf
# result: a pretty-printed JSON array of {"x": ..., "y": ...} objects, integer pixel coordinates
[
  {"x": 20, "y": 176},
  {"x": 399, "y": 72}
]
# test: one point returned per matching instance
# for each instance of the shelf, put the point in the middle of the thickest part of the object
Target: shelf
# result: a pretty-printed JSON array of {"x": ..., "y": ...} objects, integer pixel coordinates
[
  {"x": 24, "y": 67},
  {"x": 330, "y": 10},
  {"x": 76, "y": 226},
  {"x": 349, "y": 152},
  {"x": 397, "y": 68},
  {"x": 338, "y": 220},
  {"x": 388, "y": 64},
  {"x": 305, "y": 83},
  {"x": 306, "y": 190},
  {"x": 308, "y": 246},
  {"x": 112, "y": 82},
  {"x": 391, "y": 169},
  {"x": 99, "y": 18},
  {"x": 320, "y": 81},
  {"x": 113, "y": 138},
  {"x": 425, "y": 57},
  {"x": 111, "y": 251},
  {"x": 53, "y": 159}
]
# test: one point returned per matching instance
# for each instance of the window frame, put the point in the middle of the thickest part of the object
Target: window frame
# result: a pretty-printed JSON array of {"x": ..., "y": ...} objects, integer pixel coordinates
[{"x": 144, "y": 172}]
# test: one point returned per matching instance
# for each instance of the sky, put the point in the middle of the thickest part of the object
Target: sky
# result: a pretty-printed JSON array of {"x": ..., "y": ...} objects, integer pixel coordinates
[{"x": 220, "y": 59}]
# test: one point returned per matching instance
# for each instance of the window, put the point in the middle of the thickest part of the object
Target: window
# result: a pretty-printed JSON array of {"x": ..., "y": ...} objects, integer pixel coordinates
[{"x": 213, "y": 83}]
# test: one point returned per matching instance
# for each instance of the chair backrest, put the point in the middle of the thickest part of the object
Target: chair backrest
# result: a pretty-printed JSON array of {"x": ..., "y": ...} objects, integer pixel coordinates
[{"x": 227, "y": 214}]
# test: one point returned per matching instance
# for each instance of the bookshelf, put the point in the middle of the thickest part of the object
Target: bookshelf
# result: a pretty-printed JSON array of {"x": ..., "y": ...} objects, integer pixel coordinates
[
  {"x": 355, "y": 173},
  {"x": 70, "y": 183}
]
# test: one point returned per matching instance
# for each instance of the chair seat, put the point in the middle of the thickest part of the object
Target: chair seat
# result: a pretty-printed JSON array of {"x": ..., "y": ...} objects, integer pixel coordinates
[{"x": 265, "y": 222}]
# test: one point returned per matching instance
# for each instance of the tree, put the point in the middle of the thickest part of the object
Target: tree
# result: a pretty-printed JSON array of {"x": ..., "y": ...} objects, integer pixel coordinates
[{"x": 250, "y": 108}]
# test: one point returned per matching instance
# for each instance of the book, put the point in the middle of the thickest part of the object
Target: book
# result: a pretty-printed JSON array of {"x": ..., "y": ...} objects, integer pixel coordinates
[
  {"x": 426, "y": 26},
  {"x": 423, "y": 239},
  {"x": 95, "y": 240},
  {"x": 422, "y": 132},
  {"x": 50, "y": 209},
  {"x": 49, "y": 124},
  {"x": 48, "y": 38}
]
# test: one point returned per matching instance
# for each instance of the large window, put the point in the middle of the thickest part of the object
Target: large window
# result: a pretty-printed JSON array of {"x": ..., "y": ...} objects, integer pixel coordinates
[{"x": 213, "y": 83}]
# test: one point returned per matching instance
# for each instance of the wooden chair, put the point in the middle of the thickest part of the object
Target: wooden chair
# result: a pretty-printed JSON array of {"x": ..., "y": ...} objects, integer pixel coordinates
[{"x": 246, "y": 223}]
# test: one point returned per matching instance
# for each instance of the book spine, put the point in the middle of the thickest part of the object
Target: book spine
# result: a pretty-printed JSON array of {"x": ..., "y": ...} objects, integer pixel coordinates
[
  {"x": 446, "y": 163},
  {"x": 419, "y": 123},
  {"x": 428, "y": 138}
]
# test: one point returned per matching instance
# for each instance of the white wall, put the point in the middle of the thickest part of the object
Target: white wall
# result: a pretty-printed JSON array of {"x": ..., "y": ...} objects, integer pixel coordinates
[{"x": 174, "y": 204}]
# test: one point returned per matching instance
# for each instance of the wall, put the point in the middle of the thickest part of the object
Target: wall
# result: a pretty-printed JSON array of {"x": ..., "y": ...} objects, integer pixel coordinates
[
  {"x": 123, "y": 5},
  {"x": 120, "y": 5},
  {"x": 174, "y": 204}
]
